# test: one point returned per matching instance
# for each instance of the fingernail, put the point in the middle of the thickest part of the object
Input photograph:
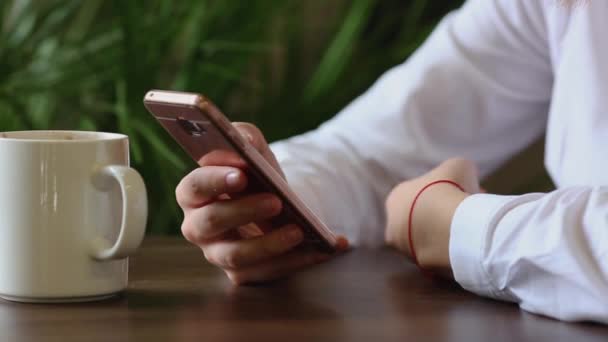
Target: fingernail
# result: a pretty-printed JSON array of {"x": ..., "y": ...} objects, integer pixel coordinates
[
  {"x": 232, "y": 178},
  {"x": 343, "y": 243},
  {"x": 294, "y": 234}
]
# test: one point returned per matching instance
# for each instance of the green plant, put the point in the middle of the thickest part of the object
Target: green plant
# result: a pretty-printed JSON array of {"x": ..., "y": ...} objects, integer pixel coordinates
[{"x": 71, "y": 64}]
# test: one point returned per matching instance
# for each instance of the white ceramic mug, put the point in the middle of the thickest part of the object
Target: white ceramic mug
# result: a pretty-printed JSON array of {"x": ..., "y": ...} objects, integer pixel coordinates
[{"x": 71, "y": 211}]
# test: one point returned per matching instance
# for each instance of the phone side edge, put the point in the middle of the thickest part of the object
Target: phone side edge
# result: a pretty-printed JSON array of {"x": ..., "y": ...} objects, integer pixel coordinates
[
  {"x": 281, "y": 187},
  {"x": 225, "y": 127}
]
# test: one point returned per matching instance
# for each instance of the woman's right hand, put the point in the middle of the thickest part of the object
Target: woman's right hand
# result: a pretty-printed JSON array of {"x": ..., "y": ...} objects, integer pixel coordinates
[{"x": 233, "y": 229}]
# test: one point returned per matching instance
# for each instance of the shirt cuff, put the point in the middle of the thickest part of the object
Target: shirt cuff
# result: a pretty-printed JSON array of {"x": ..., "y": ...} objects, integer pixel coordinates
[{"x": 469, "y": 239}]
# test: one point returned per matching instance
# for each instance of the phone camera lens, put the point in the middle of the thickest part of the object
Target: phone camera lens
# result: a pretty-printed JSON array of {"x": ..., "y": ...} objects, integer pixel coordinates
[{"x": 193, "y": 128}]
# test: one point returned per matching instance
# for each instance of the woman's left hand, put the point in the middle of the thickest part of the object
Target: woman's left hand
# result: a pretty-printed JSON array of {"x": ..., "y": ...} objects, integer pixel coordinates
[{"x": 432, "y": 215}]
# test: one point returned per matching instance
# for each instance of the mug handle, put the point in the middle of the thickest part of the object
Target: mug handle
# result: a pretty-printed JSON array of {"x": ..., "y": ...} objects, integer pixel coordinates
[{"x": 134, "y": 211}]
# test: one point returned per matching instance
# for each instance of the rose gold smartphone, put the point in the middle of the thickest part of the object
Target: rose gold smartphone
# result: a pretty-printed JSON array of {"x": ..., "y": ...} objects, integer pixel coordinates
[{"x": 201, "y": 128}]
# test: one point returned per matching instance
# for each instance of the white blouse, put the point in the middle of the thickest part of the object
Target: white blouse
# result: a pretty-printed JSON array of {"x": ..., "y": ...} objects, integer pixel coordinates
[{"x": 491, "y": 79}]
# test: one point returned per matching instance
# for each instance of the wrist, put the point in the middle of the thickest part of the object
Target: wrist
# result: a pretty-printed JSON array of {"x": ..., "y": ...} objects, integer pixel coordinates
[{"x": 433, "y": 218}]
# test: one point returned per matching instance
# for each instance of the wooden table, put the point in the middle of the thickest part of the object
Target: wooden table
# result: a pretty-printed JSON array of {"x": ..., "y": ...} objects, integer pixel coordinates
[{"x": 365, "y": 295}]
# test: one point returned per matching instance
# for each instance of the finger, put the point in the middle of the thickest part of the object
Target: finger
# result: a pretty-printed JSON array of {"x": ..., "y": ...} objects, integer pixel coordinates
[
  {"x": 206, "y": 183},
  {"x": 256, "y": 138},
  {"x": 244, "y": 253},
  {"x": 277, "y": 267},
  {"x": 250, "y": 230},
  {"x": 342, "y": 243},
  {"x": 208, "y": 222},
  {"x": 222, "y": 158}
]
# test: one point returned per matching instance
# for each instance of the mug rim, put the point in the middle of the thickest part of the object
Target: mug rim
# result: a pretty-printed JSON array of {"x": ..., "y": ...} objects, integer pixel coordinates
[{"x": 46, "y": 136}]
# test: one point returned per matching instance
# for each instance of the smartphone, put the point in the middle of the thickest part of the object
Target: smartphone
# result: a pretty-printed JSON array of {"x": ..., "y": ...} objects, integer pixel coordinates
[{"x": 201, "y": 128}]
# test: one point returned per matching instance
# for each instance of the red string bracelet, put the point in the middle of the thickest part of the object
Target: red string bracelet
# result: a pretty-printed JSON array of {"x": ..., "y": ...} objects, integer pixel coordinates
[{"x": 411, "y": 214}]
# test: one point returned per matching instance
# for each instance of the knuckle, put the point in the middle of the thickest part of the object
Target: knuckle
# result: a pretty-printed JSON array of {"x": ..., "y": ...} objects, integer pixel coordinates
[
  {"x": 233, "y": 259},
  {"x": 236, "y": 278},
  {"x": 189, "y": 232},
  {"x": 178, "y": 195},
  {"x": 193, "y": 187},
  {"x": 211, "y": 258},
  {"x": 193, "y": 230},
  {"x": 180, "y": 192},
  {"x": 210, "y": 218}
]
